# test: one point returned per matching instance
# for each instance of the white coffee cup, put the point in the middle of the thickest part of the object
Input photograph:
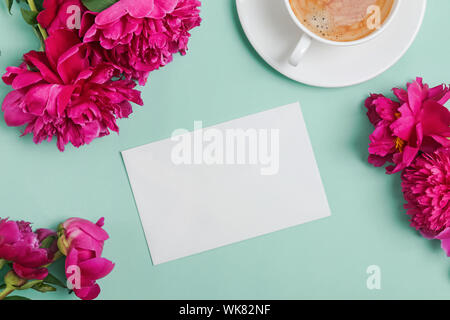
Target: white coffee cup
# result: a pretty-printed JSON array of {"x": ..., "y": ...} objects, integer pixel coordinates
[{"x": 308, "y": 36}]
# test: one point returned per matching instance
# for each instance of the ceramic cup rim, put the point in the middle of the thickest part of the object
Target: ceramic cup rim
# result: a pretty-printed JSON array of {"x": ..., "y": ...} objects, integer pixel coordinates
[{"x": 344, "y": 43}]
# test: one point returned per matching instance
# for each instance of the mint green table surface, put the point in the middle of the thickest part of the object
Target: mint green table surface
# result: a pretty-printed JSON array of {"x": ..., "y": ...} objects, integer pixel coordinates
[{"x": 220, "y": 79}]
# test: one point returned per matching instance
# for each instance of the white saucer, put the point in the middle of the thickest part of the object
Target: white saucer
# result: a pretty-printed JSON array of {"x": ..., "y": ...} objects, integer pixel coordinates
[{"x": 274, "y": 35}]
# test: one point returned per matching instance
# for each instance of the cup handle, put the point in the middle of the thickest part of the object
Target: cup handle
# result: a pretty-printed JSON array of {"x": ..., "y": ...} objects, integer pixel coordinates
[{"x": 300, "y": 50}]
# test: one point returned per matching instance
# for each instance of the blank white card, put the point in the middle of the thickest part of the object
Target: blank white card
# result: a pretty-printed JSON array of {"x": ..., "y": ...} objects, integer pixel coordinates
[{"x": 218, "y": 185}]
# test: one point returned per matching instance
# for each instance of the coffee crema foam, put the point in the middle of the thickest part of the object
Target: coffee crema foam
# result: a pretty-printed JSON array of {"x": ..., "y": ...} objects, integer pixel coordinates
[{"x": 342, "y": 20}]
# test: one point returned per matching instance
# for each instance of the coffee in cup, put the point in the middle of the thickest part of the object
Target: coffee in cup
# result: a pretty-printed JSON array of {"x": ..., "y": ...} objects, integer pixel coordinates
[{"x": 342, "y": 20}]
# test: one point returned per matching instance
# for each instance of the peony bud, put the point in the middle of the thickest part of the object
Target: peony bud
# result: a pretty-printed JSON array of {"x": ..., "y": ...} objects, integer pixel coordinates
[
  {"x": 81, "y": 241},
  {"x": 63, "y": 243}
]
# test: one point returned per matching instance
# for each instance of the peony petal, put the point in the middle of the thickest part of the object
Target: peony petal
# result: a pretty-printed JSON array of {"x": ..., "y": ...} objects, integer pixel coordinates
[
  {"x": 64, "y": 98},
  {"x": 31, "y": 258},
  {"x": 86, "y": 242},
  {"x": 40, "y": 61},
  {"x": 143, "y": 10},
  {"x": 58, "y": 43},
  {"x": 166, "y": 5},
  {"x": 26, "y": 79},
  {"x": 87, "y": 24},
  {"x": 60, "y": 15},
  {"x": 13, "y": 106},
  {"x": 378, "y": 161},
  {"x": 30, "y": 273},
  {"x": 88, "y": 293},
  {"x": 442, "y": 141},
  {"x": 382, "y": 143},
  {"x": 12, "y": 72},
  {"x": 386, "y": 108},
  {"x": 409, "y": 154},
  {"x": 401, "y": 94},
  {"x": 37, "y": 98},
  {"x": 444, "y": 98},
  {"x": 372, "y": 114},
  {"x": 53, "y": 99},
  {"x": 445, "y": 245},
  {"x": 72, "y": 63},
  {"x": 100, "y": 222},
  {"x": 415, "y": 96},
  {"x": 9, "y": 231},
  {"x": 435, "y": 119},
  {"x": 96, "y": 268},
  {"x": 46, "y": 17},
  {"x": 87, "y": 226},
  {"x": 445, "y": 234},
  {"x": 115, "y": 12},
  {"x": 404, "y": 125},
  {"x": 43, "y": 234},
  {"x": 85, "y": 254},
  {"x": 71, "y": 259}
]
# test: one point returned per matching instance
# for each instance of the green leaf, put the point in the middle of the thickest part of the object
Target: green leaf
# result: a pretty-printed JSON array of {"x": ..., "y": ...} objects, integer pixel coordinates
[
  {"x": 16, "y": 298},
  {"x": 39, "y": 4},
  {"x": 2, "y": 263},
  {"x": 29, "y": 284},
  {"x": 29, "y": 16},
  {"x": 47, "y": 242},
  {"x": 51, "y": 279},
  {"x": 98, "y": 5},
  {"x": 42, "y": 287},
  {"x": 9, "y": 5},
  {"x": 38, "y": 34}
]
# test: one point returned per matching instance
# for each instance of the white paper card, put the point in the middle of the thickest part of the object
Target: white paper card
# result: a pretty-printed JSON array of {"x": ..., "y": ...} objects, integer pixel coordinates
[{"x": 209, "y": 188}]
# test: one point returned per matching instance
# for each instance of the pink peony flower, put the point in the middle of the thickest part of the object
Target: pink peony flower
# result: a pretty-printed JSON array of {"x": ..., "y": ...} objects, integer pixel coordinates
[
  {"x": 82, "y": 242},
  {"x": 417, "y": 123},
  {"x": 382, "y": 112},
  {"x": 66, "y": 94},
  {"x": 21, "y": 246},
  {"x": 61, "y": 14},
  {"x": 141, "y": 35},
  {"x": 426, "y": 187}
]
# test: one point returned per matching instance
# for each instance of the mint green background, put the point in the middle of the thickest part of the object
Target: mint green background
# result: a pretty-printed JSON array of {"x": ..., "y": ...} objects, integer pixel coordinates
[{"x": 222, "y": 78}]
